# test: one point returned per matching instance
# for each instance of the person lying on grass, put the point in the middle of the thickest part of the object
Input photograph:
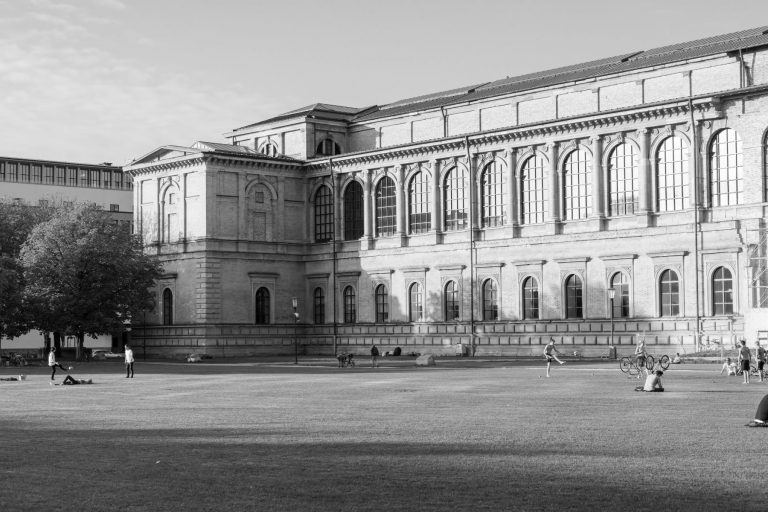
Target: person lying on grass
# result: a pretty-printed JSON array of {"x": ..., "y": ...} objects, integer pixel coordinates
[
  {"x": 652, "y": 383},
  {"x": 71, "y": 381}
]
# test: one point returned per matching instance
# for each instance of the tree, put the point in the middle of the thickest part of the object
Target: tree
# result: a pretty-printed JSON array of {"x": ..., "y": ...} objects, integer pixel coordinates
[
  {"x": 86, "y": 274},
  {"x": 16, "y": 222}
]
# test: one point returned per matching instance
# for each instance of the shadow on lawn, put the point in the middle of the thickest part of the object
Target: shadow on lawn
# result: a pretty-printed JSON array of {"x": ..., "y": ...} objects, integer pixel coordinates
[{"x": 236, "y": 469}]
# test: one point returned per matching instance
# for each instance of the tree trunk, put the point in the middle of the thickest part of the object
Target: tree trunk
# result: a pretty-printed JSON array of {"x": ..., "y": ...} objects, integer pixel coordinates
[
  {"x": 80, "y": 351},
  {"x": 57, "y": 341}
]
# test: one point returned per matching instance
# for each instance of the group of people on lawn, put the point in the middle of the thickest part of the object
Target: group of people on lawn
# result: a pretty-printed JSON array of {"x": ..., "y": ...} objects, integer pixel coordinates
[
  {"x": 69, "y": 380},
  {"x": 743, "y": 363}
]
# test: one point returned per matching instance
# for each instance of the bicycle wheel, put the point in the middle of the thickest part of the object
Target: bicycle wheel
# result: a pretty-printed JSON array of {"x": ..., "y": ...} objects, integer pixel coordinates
[
  {"x": 649, "y": 362},
  {"x": 625, "y": 364},
  {"x": 664, "y": 361}
]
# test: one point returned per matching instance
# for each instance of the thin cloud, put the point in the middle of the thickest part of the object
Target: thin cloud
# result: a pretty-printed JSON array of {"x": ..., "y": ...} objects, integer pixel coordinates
[{"x": 112, "y": 4}]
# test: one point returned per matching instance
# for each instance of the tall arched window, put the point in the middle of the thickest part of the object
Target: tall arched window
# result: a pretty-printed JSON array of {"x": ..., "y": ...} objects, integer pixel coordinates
[
  {"x": 350, "y": 306},
  {"x": 415, "y": 305},
  {"x": 532, "y": 191},
  {"x": 492, "y": 186},
  {"x": 722, "y": 292},
  {"x": 623, "y": 180},
  {"x": 669, "y": 293},
  {"x": 620, "y": 283},
  {"x": 672, "y": 175},
  {"x": 167, "y": 307},
  {"x": 386, "y": 210},
  {"x": 419, "y": 204},
  {"x": 574, "y": 295},
  {"x": 530, "y": 299},
  {"x": 726, "y": 169},
  {"x": 490, "y": 300},
  {"x": 452, "y": 305},
  {"x": 318, "y": 306},
  {"x": 353, "y": 211},
  {"x": 577, "y": 187},
  {"x": 323, "y": 214},
  {"x": 262, "y": 306},
  {"x": 327, "y": 147},
  {"x": 382, "y": 304},
  {"x": 455, "y": 207}
]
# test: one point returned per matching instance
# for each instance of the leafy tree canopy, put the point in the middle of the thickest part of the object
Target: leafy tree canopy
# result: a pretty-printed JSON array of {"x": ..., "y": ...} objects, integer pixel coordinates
[{"x": 86, "y": 274}]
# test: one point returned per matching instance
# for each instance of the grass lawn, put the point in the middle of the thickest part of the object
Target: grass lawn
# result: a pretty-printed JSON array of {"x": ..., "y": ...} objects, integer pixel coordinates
[{"x": 465, "y": 435}]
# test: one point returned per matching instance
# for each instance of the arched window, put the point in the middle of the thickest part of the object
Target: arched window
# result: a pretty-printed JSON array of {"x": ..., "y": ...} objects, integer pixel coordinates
[
  {"x": 318, "y": 306},
  {"x": 415, "y": 306},
  {"x": 530, "y": 299},
  {"x": 269, "y": 149},
  {"x": 452, "y": 306},
  {"x": 722, "y": 292},
  {"x": 353, "y": 211},
  {"x": 490, "y": 300},
  {"x": 532, "y": 191},
  {"x": 455, "y": 207},
  {"x": 167, "y": 307},
  {"x": 327, "y": 147},
  {"x": 574, "y": 305},
  {"x": 577, "y": 187},
  {"x": 262, "y": 306},
  {"x": 620, "y": 283},
  {"x": 726, "y": 169},
  {"x": 493, "y": 197},
  {"x": 419, "y": 204},
  {"x": 382, "y": 304},
  {"x": 386, "y": 210},
  {"x": 323, "y": 214},
  {"x": 171, "y": 216},
  {"x": 672, "y": 175},
  {"x": 623, "y": 181},
  {"x": 669, "y": 293},
  {"x": 350, "y": 306}
]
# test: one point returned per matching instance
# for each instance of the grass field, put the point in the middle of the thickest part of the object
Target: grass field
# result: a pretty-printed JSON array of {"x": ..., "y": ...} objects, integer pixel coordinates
[{"x": 465, "y": 435}]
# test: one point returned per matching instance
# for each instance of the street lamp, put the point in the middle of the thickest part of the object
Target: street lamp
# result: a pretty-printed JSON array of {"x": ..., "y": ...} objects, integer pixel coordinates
[
  {"x": 612, "y": 295},
  {"x": 295, "y": 303}
]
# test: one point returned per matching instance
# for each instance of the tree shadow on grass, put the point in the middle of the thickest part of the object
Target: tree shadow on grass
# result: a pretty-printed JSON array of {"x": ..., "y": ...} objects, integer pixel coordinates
[{"x": 276, "y": 469}]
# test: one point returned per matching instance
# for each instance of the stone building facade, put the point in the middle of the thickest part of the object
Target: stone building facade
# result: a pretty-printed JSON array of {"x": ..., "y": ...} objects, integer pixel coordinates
[{"x": 592, "y": 204}]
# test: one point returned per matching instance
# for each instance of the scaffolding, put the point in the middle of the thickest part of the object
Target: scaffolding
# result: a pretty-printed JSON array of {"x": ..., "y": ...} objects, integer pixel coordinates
[{"x": 757, "y": 278}]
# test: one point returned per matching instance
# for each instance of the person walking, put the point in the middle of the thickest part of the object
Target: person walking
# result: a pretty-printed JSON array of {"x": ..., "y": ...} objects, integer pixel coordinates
[
  {"x": 128, "y": 362},
  {"x": 760, "y": 357},
  {"x": 550, "y": 353},
  {"x": 641, "y": 355},
  {"x": 744, "y": 356},
  {"x": 374, "y": 356},
  {"x": 53, "y": 364}
]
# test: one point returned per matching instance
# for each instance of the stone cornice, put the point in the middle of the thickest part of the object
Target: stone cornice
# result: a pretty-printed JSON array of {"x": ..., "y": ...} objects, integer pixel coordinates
[
  {"x": 211, "y": 158},
  {"x": 704, "y": 108}
]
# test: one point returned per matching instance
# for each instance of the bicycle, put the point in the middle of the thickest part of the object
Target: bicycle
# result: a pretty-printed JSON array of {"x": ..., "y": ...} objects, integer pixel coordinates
[
  {"x": 628, "y": 364},
  {"x": 664, "y": 361}
]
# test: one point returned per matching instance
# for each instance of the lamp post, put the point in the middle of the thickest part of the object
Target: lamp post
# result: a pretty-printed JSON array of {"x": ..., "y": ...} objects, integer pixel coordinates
[
  {"x": 612, "y": 295},
  {"x": 295, "y": 303}
]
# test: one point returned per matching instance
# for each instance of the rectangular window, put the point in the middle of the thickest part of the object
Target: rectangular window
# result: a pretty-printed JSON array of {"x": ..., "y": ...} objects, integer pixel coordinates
[
  {"x": 37, "y": 174},
  {"x": 72, "y": 175},
  {"x": 114, "y": 207},
  {"x": 107, "y": 176},
  {"x": 48, "y": 175},
  {"x": 95, "y": 180},
  {"x": 61, "y": 176},
  {"x": 24, "y": 174}
]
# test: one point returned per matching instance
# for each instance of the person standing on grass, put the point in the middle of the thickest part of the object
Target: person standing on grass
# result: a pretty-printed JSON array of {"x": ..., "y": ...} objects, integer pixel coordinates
[
  {"x": 550, "y": 353},
  {"x": 640, "y": 354},
  {"x": 128, "y": 362},
  {"x": 760, "y": 357},
  {"x": 53, "y": 364},
  {"x": 744, "y": 356},
  {"x": 374, "y": 356}
]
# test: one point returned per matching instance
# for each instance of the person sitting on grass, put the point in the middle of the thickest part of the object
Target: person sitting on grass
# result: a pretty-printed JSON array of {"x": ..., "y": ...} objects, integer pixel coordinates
[
  {"x": 761, "y": 415},
  {"x": 729, "y": 367},
  {"x": 652, "y": 383},
  {"x": 676, "y": 359}
]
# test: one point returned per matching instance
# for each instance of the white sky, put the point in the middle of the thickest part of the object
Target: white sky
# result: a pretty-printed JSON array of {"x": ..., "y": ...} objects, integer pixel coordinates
[{"x": 110, "y": 80}]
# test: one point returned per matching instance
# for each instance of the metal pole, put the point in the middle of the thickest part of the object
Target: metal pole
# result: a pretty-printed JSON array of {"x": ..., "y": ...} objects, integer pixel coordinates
[{"x": 295, "y": 303}]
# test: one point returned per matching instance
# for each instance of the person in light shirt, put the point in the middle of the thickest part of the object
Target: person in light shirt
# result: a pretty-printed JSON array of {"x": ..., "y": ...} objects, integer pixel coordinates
[
  {"x": 729, "y": 367},
  {"x": 652, "y": 383},
  {"x": 53, "y": 364},
  {"x": 128, "y": 362}
]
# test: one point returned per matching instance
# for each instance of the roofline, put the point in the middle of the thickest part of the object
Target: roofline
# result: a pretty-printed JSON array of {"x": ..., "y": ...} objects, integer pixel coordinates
[{"x": 60, "y": 162}]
